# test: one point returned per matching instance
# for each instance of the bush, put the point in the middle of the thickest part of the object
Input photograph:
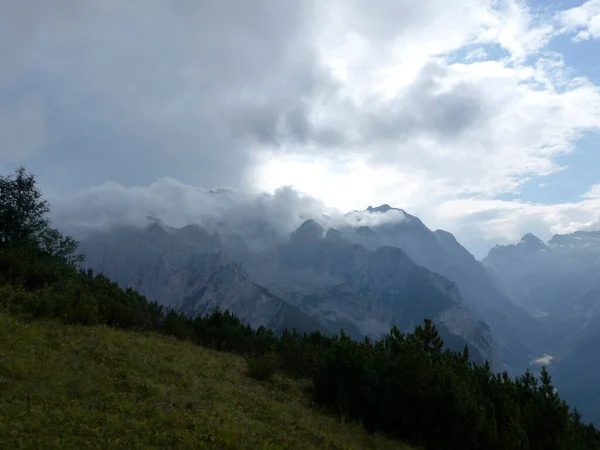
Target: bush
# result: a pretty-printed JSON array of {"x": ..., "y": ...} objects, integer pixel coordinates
[{"x": 262, "y": 367}]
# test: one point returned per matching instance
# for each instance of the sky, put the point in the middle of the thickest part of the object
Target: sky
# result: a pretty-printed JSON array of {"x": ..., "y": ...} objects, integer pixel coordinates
[{"x": 481, "y": 117}]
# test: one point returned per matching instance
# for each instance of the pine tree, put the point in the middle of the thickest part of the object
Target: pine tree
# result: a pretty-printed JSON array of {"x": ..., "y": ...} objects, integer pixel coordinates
[{"x": 429, "y": 337}]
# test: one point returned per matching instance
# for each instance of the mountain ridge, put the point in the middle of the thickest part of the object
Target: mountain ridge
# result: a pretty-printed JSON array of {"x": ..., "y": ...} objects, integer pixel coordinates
[
  {"x": 326, "y": 268},
  {"x": 559, "y": 281}
]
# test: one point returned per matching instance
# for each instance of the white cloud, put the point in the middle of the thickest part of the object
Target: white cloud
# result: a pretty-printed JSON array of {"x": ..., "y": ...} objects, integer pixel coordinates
[
  {"x": 482, "y": 223},
  {"x": 583, "y": 22},
  {"x": 478, "y": 223},
  {"x": 593, "y": 193},
  {"x": 476, "y": 55},
  {"x": 479, "y": 129},
  {"x": 432, "y": 107},
  {"x": 426, "y": 132},
  {"x": 179, "y": 204}
]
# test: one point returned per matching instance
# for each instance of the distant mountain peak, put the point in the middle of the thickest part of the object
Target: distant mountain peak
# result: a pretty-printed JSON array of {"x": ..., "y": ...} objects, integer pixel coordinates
[
  {"x": 532, "y": 240},
  {"x": 365, "y": 231},
  {"x": 308, "y": 231},
  {"x": 155, "y": 226},
  {"x": 333, "y": 234},
  {"x": 383, "y": 209},
  {"x": 445, "y": 233}
]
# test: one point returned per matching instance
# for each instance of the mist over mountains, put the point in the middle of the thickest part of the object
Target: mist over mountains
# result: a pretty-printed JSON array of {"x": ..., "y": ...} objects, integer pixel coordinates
[
  {"x": 313, "y": 278},
  {"x": 284, "y": 261},
  {"x": 558, "y": 282}
]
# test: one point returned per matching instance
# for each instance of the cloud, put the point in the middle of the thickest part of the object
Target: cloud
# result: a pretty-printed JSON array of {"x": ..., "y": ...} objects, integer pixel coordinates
[
  {"x": 178, "y": 204},
  {"x": 483, "y": 128},
  {"x": 142, "y": 90},
  {"x": 478, "y": 223},
  {"x": 469, "y": 127},
  {"x": 435, "y": 109},
  {"x": 593, "y": 193},
  {"x": 478, "y": 54},
  {"x": 582, "y": 22},
  {"x": 482, "y": 223},
  {"x": 23, "y": 129}
]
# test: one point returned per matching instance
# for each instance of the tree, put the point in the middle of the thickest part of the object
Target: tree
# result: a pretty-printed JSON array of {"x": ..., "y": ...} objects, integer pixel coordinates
[
  {"x": 429, "y": 337},
  {"x": 24, "y": 221}
]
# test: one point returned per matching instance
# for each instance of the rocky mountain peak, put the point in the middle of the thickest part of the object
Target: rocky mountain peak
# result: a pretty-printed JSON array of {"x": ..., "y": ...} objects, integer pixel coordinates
[
  {"x": 382, "y": 208},
  {"x": 333, "y": 235},
  {"x": 446, "y": 237},
  {"x": 451, "y": 245},
  {"x": 365, "y": 231},
  {"x": 532, "y": 241},
  {"x": 308, "y": 231}
]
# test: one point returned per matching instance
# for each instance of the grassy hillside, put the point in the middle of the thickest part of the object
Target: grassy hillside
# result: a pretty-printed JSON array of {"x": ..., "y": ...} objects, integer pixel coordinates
[{"x": 65, "y": 386}]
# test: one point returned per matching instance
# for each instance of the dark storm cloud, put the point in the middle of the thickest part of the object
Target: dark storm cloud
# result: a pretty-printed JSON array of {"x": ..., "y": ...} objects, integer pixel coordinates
[
  {"x": 283, "y": 114},
  {"x": 425, "y": 108},
  {"x": 132, "y": 91}
]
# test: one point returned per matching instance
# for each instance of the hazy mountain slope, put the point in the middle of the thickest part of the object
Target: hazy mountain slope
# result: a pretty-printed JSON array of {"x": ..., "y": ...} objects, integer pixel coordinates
[
  {"x": 231, "y": 288},
  {"x": 366, "y": 291},
  {"x": 162, "y": 263},
  {"x": 190, "y": 265},
  {"x": 560, "y": 282},
  {"x": 516, "y": 331},
  {"x": 316, "y": 280},
  {"x": 577, "y": 372}
]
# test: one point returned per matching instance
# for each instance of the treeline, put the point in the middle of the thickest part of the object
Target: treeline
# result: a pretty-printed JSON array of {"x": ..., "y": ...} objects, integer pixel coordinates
[{"x": 404, "y": 385}]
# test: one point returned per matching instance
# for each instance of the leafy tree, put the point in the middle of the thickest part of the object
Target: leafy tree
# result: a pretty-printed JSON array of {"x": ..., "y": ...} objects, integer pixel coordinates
[{"x": 24, "y": 221}]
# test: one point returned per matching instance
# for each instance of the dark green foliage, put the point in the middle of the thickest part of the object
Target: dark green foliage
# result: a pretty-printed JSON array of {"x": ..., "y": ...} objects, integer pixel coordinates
[
  {"x": 299, "y": 354},
  {"x": 262, "y": 367},
  {"x": 23, "y": 218},
  {"x": 404, "y": 385}
]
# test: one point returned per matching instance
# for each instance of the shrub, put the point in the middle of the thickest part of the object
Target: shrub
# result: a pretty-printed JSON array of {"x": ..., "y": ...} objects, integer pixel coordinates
[{"x": 262, "y": 367}]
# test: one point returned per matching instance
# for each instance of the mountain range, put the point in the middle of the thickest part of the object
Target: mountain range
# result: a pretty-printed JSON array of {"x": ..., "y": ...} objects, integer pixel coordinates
[
  {"x": 524, "y": 304},
  {"x": 558, "y": 282}
]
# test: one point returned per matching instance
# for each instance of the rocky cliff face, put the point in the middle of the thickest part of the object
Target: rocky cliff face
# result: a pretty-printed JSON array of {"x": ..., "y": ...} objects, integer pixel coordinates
[
  {"x": 316, "y": 279},
  {"x": 367, "y": 291},
  {"x": 231, "y": 288},
  {"x": 162, "y": 263},
  {"x": 559, "y": 281},
  {"x": 519, "y": 336}
]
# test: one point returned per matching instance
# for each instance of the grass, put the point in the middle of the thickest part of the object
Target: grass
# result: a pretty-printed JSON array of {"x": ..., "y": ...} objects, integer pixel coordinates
[{"x": 73, "y": 387}]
